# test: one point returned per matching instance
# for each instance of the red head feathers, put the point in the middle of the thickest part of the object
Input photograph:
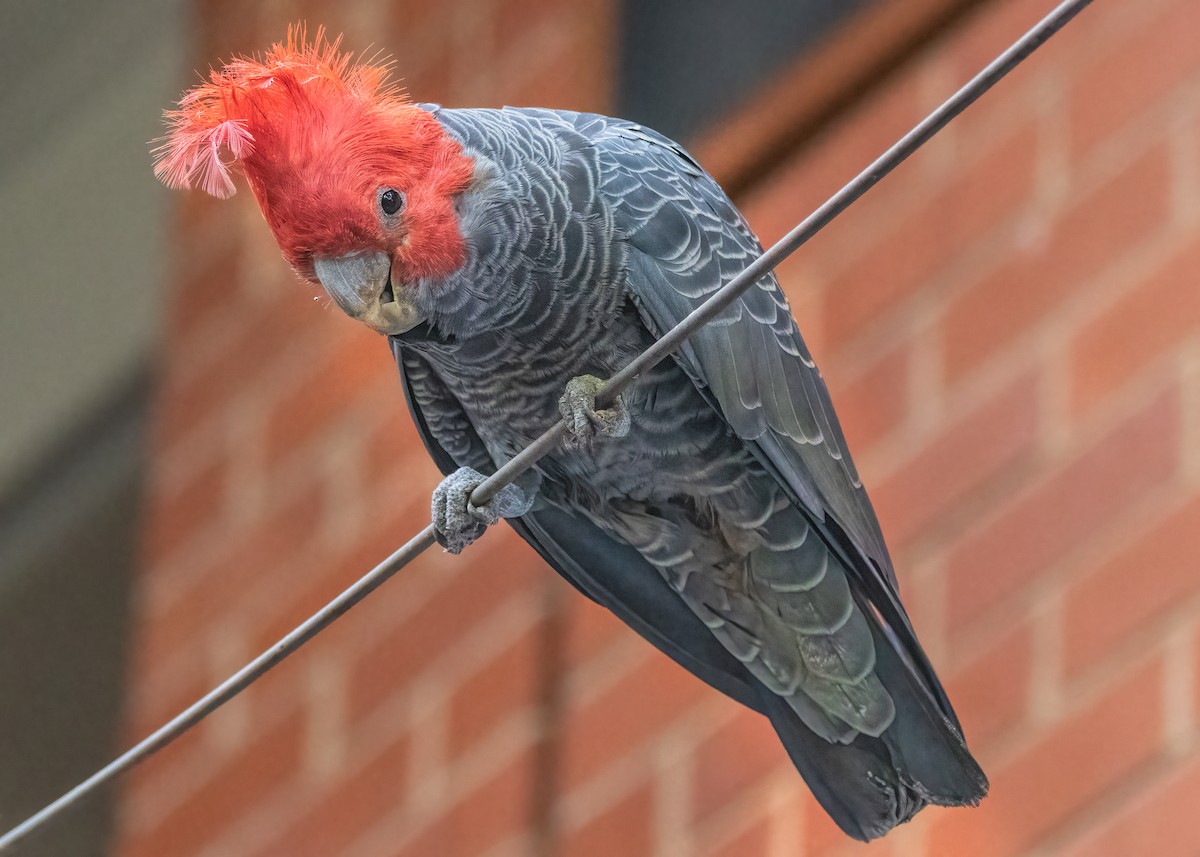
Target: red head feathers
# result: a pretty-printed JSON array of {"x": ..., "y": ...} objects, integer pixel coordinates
[{"x": 318, "y": 136}]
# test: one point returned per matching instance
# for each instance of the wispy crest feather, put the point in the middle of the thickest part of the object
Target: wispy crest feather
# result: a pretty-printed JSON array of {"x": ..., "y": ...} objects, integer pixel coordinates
[{"x": 210, "y": 129}]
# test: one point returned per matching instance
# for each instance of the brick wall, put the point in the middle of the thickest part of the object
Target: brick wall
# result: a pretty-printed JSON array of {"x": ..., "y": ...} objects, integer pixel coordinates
[{"x": 1010, "y": 326}]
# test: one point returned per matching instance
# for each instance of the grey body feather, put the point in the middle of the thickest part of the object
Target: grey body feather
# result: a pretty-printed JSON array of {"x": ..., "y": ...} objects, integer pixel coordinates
[{"x": 729, "y": 527}]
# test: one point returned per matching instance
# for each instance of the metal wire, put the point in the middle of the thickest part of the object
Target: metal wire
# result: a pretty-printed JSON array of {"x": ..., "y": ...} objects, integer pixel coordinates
[{"x": 550, "y": 440}]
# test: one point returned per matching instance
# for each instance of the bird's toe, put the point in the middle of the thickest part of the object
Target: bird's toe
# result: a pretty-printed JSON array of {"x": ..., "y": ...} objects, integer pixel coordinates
[
  {"x": 451, "y": 510},
  {"x": 584, "y": 420},
  {"x": 458, "y": 522}
]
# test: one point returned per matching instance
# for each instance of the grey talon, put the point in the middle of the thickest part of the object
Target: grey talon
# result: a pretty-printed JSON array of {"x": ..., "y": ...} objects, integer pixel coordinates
[
  {"x": 578, "y": 408},
  {"x": 453, "y": 523},
  {"x": 458, "y": 522}
]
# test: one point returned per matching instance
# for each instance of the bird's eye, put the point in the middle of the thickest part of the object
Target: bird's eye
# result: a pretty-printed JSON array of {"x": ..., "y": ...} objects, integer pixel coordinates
[{"x": 390, "y": 201}]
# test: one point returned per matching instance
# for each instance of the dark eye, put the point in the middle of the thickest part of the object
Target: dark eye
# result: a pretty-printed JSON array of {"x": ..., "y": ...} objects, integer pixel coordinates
[{"x": 390, "y": 201}]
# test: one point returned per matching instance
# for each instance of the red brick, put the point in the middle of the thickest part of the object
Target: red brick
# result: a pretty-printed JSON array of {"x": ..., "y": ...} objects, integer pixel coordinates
[
  {"x": 193, "y": 749},
  {"x": 206, "y": 293},
  {"x": 304, "y": 593},
  {"x": 1157, "y": 315},
  {"x": 566, "y": 71},
  {"x": 318, "y": 573},
  {"x": 1024, "y": 290},
  {"x": 963, "y": 458},
  {"x": 755, "y": 841},
  {"x": 988, "y": 32},
  {"x": 814, "y": 174},
  {"x": 393, "y": 454},
  {"x": 193, "y": 215},
  {"x": 498, "y": 809},
  {"x": 221, "y": 33},
  {"x": 1045, "y": 522},
  {"x": 805, "y": 297},
  {"x": 230, "y": 789},
  {"x": 625, "y": 829},
  {"x": 505, "y": 684},
  {"x": 434, "y": 78},
  {"x": 264, "y": 548},
  {"x": 265, "y": 338},
  {"x": 1133, "y": 588},
  {"x": 173, "y": 518},
  {"x": 1121, "y": 84},
  {"x": 359, "y": 362},
  {"x": 514, "y": 20},
  {"x": 1069, "y": 767},
  {"x": 739, "y": 755},
  {"x": 350, "y": 805},
  {"x": 626, "y": 716},
  {"x": 590, "y": 627},
  {"x": 1159, "y": 819},
  {"x": 494, "y": 573},
  {"x": 892, "y": 270},
  {"x": 145, "y": 712},
  {"x": 425, "y": 27},
  {"x": 990, "y": 692},
  {"x": 875, "y": 402},
  {"x": 1195, "y": 667}
]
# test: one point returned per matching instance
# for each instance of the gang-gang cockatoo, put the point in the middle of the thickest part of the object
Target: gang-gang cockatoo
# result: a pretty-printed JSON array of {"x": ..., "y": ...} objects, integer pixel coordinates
[{"x": 515, "y": 257}]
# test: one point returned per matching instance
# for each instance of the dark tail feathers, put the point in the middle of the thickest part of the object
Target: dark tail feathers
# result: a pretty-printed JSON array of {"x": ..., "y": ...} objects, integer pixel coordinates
[{"x": 873, "y": 784}]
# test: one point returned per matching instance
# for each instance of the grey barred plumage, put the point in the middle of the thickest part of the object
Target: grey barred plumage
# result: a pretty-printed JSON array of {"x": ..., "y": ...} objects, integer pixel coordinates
[{"x": 729, "y": 527}]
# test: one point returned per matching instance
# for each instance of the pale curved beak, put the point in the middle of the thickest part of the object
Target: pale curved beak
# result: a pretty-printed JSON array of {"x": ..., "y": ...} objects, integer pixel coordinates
[{"x": 361, "y": 284}]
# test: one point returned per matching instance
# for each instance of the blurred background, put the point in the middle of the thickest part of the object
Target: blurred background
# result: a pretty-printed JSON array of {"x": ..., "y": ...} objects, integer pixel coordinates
[{"x": 195, "y": 454}]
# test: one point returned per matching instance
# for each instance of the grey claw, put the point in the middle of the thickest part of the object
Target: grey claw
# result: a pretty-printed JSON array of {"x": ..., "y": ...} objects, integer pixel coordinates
[
  {"x": 584, "y": 421},
  {"x": 458, "y": 522}
]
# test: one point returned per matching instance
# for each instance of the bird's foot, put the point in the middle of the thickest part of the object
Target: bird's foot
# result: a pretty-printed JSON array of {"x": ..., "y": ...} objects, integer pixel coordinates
[
  {"x": 584, "y": 422},
  {"x": 458, "y": 522}
]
